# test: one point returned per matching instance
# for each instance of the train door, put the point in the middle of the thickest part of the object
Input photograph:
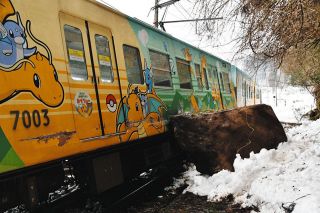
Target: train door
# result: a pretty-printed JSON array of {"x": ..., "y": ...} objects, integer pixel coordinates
[
  {"x": 87, "y": 54},
  {"x": 107, "y": 84}
]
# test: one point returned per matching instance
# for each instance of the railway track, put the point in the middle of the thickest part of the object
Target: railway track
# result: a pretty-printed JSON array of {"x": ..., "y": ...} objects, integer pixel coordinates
[{"x": 72, "y": 198}]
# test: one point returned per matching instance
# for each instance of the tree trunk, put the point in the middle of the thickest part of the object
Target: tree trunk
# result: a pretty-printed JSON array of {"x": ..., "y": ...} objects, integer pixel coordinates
[
  {"x": 317, "y": 96},
  {"x": 315, "y": 114},
  {"x": 212, "y": 140}
]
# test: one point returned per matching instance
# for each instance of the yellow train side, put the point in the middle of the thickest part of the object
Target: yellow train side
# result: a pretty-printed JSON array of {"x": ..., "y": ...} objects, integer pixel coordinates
[
  {"x": 76, "y": 83},
  {"x": 65, "y": 131}
]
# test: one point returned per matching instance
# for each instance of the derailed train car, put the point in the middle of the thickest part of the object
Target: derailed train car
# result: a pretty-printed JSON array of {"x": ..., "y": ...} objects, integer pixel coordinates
[
  {"x": 247, "y": 91},
  {"x": 83, "y": 82}
]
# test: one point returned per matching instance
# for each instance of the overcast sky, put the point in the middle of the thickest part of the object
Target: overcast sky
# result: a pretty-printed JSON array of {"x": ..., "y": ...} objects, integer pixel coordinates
[{"x": 180, "y": 10}]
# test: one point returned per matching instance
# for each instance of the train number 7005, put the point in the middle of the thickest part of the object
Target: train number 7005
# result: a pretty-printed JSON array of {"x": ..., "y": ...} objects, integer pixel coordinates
[{"x": 34, "y": 118}]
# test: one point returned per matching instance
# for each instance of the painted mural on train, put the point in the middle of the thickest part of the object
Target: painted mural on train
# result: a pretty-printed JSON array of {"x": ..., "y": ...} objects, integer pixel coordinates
[
  {"x": 49, "y": 112},
  {"x": 141, "y": 113},
  {"x": 24, "y": 69},
  {"x": 30, "y": 70}
]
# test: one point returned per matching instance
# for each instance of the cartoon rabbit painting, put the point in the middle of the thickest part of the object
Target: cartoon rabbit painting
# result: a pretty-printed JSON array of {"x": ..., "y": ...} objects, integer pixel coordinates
[{"x": 13, "y": 43}]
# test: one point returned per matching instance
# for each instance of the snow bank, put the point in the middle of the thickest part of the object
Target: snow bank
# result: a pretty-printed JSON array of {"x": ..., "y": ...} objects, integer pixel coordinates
[
  {"x": 292, "y": 102},
  {"x": 272, "y": 180},
  {"x": 282, "y": 180}
]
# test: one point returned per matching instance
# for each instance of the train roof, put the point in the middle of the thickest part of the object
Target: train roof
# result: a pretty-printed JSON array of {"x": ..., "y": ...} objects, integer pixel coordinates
[
  {"x": 240, "y": 71},
  {"x": 114, "y": 10}
]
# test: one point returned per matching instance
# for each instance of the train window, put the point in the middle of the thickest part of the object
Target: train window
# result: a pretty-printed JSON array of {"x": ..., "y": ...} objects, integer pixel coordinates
[
  {"x": 76, "y": 55},
  {"x": 210, "y": 70},
  {"x": 226, "y": 83},
  {"x": 133, "y": 64},
  {"x": 161, "y": 69},
  {"x": 104, "y": 58},
  {"x": 199, "y": 76},
  {"x": 184, "y": 74},
  {"x": 215, "y": 79},
  {"x": 222, "y": 82},
  {"x": 243, "y": 89},
  {"x": 205, "y": 78}
]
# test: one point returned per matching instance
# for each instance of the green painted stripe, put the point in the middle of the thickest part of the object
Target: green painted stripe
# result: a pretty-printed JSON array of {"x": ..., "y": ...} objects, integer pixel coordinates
[
  {"x": 12, "y": 159},
  {"x": 6, "y": 168},
  {"x": 9, "y": 159},
  {"x": 4, "y": 144}
]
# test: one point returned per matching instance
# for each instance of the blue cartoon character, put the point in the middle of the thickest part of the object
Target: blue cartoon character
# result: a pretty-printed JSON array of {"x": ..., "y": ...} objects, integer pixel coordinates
[
  {"x": 144, "y": 102},
  {"x": 148, "y": 78},
  {"x": 13, "y": 43},
  {"x": 134, "y": 120}
]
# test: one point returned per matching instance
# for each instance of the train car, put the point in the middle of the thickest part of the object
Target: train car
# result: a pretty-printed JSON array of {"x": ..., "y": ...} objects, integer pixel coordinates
[
  {"x": 85, "y": 83},
  {"x": 247, "y": 91},
  {"x": 184, "y": 77}
]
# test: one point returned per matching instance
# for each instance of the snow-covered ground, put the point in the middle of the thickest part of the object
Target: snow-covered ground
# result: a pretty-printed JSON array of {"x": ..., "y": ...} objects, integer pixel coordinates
[
  {"x": 289, "y": 103},
  {"x": 283, "y": 180}
]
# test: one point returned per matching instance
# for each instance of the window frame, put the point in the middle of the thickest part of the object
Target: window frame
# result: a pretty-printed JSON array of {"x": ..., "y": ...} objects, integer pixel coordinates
[
  {"x": 182, "y": 61},
  {"x": 111, "y": 68},
  {"x": 244, "y": 85},
  {"x": 68, "y": 54},
  {"x": 215, "y": 74},
  {"x": 227, "y": 85},
  {"x": 210, "y": 73},
  {"x": 139, "y": 63},
  {"x": 198, "y": 76},
  {"x": 162, "y": 70},
  {"x": 206, "y": 81},
  {"x": 222, "y": 81}
]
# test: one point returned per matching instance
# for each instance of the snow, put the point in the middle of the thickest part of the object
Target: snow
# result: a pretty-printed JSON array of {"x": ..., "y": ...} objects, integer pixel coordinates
[
  {"x": 283, "y": 180},
  {"x": 289, "y": 103}
]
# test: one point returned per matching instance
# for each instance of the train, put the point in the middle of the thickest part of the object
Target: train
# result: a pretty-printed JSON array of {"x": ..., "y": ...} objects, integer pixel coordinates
[{"x": 84, "y": 83}]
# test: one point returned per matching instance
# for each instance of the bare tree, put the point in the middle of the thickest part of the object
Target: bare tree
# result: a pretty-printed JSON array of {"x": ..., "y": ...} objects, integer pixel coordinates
[
  {"x": 269, "y": 28},
  {"x": 283, "y": 32}
]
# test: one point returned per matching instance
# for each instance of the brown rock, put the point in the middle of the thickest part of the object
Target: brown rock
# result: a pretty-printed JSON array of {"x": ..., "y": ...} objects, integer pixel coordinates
[{"x": 212, "y": 140}]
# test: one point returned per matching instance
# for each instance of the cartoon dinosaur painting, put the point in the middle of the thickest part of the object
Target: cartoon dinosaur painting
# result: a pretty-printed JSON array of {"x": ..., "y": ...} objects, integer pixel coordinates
[
  {"x": 23, "y": 69},
  {"x": 130, "y": 115},
  {"x": 132, "y": 120},
  {"x": 13, "y": 43},
  {"x": 141, "y": 113},
  {"x": 38, "y": 77},
  {"x": 6, "y": 9}
]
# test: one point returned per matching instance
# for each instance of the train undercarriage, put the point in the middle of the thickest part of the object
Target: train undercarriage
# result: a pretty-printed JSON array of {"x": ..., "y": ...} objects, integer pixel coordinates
[{"x": 93, "y": 173}]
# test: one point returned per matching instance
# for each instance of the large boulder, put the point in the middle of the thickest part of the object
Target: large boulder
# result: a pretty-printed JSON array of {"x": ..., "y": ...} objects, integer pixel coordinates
[{"x": 212, "y": 140}]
